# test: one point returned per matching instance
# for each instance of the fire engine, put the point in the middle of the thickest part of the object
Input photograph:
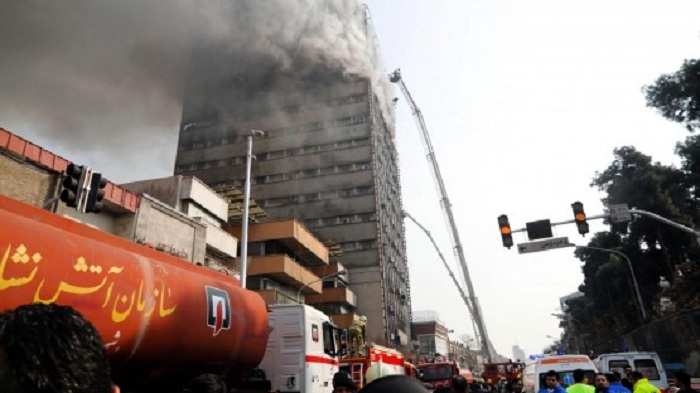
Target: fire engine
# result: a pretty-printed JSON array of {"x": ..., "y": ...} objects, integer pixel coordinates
[
  {"x": 163, "y": 320},
  {"x": 496, "y": 372},
  {"x": 437, "y": 373},
  {"x": 378, "y": 361}
]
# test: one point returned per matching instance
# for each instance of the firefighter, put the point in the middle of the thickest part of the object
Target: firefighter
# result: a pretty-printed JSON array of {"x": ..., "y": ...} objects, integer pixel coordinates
[{"x": 356, "y": 336}]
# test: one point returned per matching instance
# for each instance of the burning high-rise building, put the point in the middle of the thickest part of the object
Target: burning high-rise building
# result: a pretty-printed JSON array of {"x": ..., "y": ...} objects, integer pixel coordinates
[{"x": 328, "y": 157}]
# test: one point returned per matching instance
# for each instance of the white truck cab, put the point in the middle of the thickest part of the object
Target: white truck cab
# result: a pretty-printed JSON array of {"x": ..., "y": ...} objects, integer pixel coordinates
[
  {"x": 302, "y": 349},
  {"x": 647, "y": 363}
]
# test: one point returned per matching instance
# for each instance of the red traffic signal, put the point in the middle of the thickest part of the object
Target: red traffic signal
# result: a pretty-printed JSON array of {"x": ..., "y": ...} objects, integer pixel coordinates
[
  {"x": 580, "y": 218},
  {"x": 506, "y": 233}
]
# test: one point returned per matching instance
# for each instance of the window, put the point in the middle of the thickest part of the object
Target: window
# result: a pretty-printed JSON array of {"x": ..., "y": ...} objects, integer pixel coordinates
[
  {"x": 330, "y": 339},
  {"x": 618, "y": 365},
  {"x": 314, "y": 332},
  {"x": 327, "y": 170},
  {"x": 648, "y": 368}
]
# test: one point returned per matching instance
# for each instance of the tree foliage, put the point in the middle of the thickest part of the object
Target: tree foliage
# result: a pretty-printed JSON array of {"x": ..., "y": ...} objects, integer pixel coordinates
[
  {"x": 610, "y": 306},
  {"x": 677, "y": 95}
]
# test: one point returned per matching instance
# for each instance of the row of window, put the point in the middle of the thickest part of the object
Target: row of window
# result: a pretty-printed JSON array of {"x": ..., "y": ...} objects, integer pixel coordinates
[
  {"x": 316, "y": 196},
  {"x": 233, "y": 136},
  {"x": 359, "y": 245},
  {"x": 340, "y": 220},
  {"x": 310, "y": 149},
  {"x": 255, "y": 110},
  {"x": 312, "y": 173}
]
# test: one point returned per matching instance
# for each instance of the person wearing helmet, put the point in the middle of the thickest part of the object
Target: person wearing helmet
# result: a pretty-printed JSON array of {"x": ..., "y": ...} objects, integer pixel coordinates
[
  {"x": 394, "y": 383},
  {"x": 342, "y": 383}
]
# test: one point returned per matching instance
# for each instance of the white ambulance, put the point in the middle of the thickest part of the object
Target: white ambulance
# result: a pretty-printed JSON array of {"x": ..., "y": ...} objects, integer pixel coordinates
[
  {"x": 564, "y": 365},
  {"x": 647, "y": 363}
]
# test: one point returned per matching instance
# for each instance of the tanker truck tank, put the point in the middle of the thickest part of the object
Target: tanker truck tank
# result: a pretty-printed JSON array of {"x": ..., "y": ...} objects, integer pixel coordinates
[{"x": 158, "y": 315}]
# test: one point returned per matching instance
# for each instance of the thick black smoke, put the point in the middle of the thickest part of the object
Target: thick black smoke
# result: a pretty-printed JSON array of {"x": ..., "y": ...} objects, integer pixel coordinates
[{"x": 103, "y": 81}]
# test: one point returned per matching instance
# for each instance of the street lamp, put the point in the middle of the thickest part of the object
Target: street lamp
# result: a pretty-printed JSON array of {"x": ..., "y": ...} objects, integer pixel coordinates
[
  {"x": 338, "y": 273},
  {"x": 634, "y": 277},
  {"x": 246, "y": 205}
]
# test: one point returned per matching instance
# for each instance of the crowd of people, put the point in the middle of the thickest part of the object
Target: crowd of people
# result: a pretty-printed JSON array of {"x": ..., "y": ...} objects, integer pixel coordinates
[
  {"x": 54, "y": 349},
  {"x": 633, "y": 382}
]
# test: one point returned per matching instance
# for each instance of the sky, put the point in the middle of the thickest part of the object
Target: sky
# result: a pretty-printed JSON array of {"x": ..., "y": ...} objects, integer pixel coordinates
[{"x": 524, "y": 101}]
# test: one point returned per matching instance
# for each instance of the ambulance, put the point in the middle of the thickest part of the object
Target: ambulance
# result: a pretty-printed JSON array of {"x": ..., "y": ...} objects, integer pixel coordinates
[
  {"x": 564, "y": 365},
  {"x": 647, "y": 363}
]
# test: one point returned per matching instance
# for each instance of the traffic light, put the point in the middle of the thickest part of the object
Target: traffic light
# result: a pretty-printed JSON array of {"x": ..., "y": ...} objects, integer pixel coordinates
[
  {"x": 96, "y": 195},
  {"x": 73, "y": 181},
  {"x": 506, "y": 234},
  {"x": 580, "y": 218}
]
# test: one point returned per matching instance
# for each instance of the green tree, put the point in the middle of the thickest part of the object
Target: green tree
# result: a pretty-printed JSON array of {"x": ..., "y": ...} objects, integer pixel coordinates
[{"x": 677, "y": 95}]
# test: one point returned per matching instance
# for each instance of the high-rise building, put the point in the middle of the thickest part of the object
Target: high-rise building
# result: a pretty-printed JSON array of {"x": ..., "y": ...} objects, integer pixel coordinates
[
  {"x": 327, "y": 158},
  {"x": 518, "y": 354}
]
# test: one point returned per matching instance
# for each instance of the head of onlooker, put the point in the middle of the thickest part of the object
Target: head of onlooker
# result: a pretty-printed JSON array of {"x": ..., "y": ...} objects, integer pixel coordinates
[
  {"x": 342, "y": 383},
  {"x": 551, "y": 379},
  {"x": 460, "y": 384},
  {"x": 601, "y": 382},
  {"x": 627, "y": 370},
  {"x": 517, "y": 385},
  {"x": 206, "y": 383},
  {"x": 52, "y": 348},
  {"x": 394, "y": 383},
  {"x": 683, "y": 380},
  {"x": 635, "y": 376},
  {"x": 613, "y": 377},
  {"x": 579, "y": 376}
]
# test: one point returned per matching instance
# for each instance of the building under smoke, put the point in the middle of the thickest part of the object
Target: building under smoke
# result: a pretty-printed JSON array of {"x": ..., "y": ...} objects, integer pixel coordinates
[{"x": 328, "y": 157}]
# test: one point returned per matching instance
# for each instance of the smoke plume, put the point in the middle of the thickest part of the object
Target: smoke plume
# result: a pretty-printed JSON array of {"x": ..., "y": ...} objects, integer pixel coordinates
[{"x": 104, "y": 81}]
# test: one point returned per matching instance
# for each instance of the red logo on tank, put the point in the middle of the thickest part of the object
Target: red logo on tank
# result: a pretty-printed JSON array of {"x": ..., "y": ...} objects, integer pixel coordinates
[{"x": 218, "y": 310}]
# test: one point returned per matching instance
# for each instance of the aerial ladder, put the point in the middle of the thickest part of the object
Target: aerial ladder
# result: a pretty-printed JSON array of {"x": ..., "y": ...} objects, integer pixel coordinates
[{"x": 472, "y": 302}]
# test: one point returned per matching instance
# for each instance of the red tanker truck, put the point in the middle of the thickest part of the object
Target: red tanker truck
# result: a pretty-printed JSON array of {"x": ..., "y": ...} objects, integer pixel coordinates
[{"x": 163, "y": 320}]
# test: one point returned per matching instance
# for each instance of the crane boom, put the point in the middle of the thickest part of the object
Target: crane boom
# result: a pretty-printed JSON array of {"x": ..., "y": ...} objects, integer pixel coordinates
[
  {"x": 447, "y": 266},
  {"x": 474, "y": 308}
]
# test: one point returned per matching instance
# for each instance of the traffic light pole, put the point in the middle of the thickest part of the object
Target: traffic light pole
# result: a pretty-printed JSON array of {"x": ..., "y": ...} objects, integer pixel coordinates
[
  {"x": 599, "y": 216},
  {"x": 667, "y": 221}
]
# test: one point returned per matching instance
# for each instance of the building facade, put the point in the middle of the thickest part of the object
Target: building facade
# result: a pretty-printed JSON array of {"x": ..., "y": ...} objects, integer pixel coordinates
[{"x": 328, "y": 159}]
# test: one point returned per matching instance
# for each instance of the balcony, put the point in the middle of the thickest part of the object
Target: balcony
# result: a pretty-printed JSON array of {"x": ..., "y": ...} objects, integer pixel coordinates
[
  {"x": 285, "y": 270},
  {"x": 343, "y": 321},
  {"x": 325, "y": 270},
  {"x": 292, "y": 234},
  {"x": 333, "y": 295},
  {"x": 272, "y": 296}
]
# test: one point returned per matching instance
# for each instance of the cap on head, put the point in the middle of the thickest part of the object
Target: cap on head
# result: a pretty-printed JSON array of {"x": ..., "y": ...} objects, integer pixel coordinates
[{"x": 343, "y": 380}]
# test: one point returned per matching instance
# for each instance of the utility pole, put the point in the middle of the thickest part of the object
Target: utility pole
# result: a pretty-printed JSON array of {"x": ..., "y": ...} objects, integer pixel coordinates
[{"x": 246, "y": 206}]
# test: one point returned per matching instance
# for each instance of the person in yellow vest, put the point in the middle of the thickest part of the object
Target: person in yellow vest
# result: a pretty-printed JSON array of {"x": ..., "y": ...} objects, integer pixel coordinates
[
  {"x": 580, "y": 383},
  {"x": 641, "y": 384}
]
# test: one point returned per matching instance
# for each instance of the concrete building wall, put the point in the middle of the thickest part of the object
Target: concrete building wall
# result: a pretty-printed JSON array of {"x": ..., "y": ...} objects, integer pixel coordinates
[
  {"x": 166, "y": 190},
  {"x": 208, "y": 200},
  {"x": 160, "y": 226}
]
